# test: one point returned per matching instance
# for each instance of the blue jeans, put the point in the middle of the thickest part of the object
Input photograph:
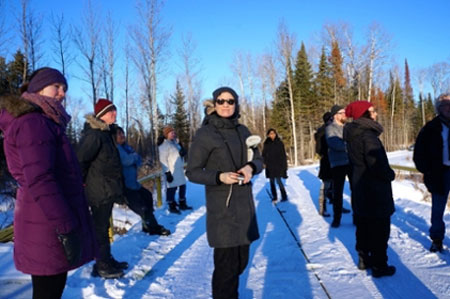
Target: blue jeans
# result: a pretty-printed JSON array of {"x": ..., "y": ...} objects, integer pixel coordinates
[
  {"x": 438, "y": 204},
  {"x": 171, "y": 193},
  {"x": 274, "y": 190}
]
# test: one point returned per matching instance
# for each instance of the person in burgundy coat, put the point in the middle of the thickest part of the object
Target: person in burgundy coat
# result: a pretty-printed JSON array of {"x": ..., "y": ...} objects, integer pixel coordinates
[{"x": 52, "y": 225}]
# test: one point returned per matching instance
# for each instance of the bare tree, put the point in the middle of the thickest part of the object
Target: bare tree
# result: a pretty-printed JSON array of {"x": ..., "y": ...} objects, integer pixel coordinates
[
  {"x": 238, "y": 68},
  {"x": 151, "y": 39},
  {"x": 376, "y": 51},
  {"x": 23, "y": 29},
  {"x": 437, "y": 74},
  {"x": 421, "y": 75},
  {"x": 250, "y": 80},
  {"x": 108, "y": 57},
  {"x": 61, "y": 43},
  {"x": 286, "y": 42},
  {"x": 268, "y": 77},
  {"x": 4, "y": 37},
  {"x": 191, "y": 70},
  {"x": 127, "y": 86},
  {"x": 87, "y": 40}
]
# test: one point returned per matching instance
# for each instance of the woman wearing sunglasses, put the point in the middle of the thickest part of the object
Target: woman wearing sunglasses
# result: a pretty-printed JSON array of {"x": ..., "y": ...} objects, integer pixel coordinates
[{"x": 219, "y": 160}]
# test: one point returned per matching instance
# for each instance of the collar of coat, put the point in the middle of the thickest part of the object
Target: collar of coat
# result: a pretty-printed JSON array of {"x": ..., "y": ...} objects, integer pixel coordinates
[
  {"x": 17, "y": 106},
  {"x": 215, "y": 120},
  {"x": 96, "y": 123}
]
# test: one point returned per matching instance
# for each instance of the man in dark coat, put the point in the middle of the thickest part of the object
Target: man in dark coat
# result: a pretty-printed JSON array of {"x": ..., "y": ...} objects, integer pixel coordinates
[
  {"x": 275, "y": 161},
  {"x": 371, "y": 178},
  {"x": 218, "y": 159},
  {"x": 102, "y": 174},
  {"x": 324, "y": 170},
  {"x": 432, "y": 158}
]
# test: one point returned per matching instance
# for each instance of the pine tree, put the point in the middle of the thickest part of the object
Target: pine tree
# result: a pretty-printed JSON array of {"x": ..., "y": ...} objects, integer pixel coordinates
[
  {"x": 279, "y": 116},
  {"x": 3, "y": 76},
  {"x": 409, "y": 107},
  {"x": 15, "y": 72},
  {"x": 324, "y": 84},
  {"x": 180, "y": 118},
  {"x": 337, "y": 73},
  {"x": 395, "y": 103}
]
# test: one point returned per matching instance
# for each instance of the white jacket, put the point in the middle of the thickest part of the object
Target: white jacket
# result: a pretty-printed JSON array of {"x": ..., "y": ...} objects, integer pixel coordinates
[{"x": 171, "y": 160}]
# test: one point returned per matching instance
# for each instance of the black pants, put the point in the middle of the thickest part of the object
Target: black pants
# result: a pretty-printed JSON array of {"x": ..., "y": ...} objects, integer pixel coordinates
[
  {"x": 372, "y": 235},
  {"x": 101, "y": 215},
  {"x": 141, "y": 202},
  {"x": 273, "y": 189},
  {"x": 171, "y": 193},
  {"x": 339, "y": 173},
  {"x": 229, "y": 263},
  {"x": 48, "y": 287}
]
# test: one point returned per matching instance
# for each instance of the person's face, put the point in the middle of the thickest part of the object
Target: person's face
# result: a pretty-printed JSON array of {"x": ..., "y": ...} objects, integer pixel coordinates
[
  {"x": 120, "y": 137},
  {"x": 225, "y": 109},
  {"x": 55, "y": 90},
  {"x": 272, "y": 135},
  {"x": 444, "y": 107},
  {"x": 373, "y": 113},
  {"x": 109, "y": 117},
  {"x": 340, "y": 116},
  {"x": 171, "y": 135}
]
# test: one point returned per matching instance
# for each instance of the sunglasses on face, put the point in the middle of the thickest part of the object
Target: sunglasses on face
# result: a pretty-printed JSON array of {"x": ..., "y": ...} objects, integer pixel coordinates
[{"x": 221, "y": 101}]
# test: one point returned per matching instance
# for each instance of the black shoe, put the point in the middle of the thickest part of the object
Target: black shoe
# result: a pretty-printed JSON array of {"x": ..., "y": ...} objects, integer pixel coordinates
[
  {"x": 345, "y": 211},
  {"x": 106, "y": 270},
  {"x": 284, "y": 199},
  {"x": 364, "y": 263},
  {"x": 384, "y": 271},
  {"x": 436, "y": 246},
  {"x": 159, "y": 230},
  {"x": 325, "y": 214},
  {"x": 335, "y": 223},
  {"x": 118, "y": 265},
  {"x": 183, "y": 206},
  {"x": 173, "y": 208}
]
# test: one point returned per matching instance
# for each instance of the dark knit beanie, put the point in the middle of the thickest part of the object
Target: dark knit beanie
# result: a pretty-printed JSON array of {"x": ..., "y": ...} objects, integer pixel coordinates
[
  {"x": 357, "y": 109},
  {"x": 102, "y": 107},
  {"x": 335, "y": 109},
  {"x": 216, "y": 93},
  {"x": 326, "y": 117},
  {"x": 44, "y": 77}
]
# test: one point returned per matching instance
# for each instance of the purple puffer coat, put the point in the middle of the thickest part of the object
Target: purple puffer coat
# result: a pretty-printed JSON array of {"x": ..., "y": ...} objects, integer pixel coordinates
[{"x": 50, "y": 199}]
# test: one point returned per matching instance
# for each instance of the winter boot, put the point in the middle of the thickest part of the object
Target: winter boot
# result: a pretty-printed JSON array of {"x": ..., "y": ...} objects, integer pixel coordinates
[
  {"x": 106, "y": 270},
  {"x": 117, "y": 264},
  {"x": 436, "y": 246},
  {"x": 364, "y": 261},
  {"x": 158, "y": 230},
  {"x": 173, "y": 208},
  {"x": 383, "y": 271},
  {"x": 345, "y": 210},
  {"x": 183, "y": 206},
  {"x": 336, "y": 223}
]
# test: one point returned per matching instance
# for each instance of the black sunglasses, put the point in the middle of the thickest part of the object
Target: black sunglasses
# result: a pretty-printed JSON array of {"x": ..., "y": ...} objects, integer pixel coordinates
[{"x": 221, "y": 102}]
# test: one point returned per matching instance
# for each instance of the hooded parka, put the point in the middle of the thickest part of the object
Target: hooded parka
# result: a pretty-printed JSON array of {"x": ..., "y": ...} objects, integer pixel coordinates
[
  {"x": 50, "y": 199},
  {"x": 219, "y": 146},
  {"x": 274, "y": 156}
]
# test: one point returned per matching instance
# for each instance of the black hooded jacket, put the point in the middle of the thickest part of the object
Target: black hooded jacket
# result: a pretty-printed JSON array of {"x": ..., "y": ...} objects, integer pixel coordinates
[
  {"x": 274, "y": 156},
  {"x": 371, "y": 175}
]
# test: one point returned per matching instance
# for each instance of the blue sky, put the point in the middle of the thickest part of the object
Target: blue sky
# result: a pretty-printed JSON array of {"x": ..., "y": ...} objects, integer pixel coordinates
[{"x": 419, "y": 29}]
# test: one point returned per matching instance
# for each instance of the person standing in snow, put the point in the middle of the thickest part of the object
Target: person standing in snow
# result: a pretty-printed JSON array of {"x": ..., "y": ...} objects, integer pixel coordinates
[
  {"x": 371, "y": 178},
  {"x": 102, "y": 174},
  {"x": 324, "y": 170},
  {"x": 432, "y": 158},
  {"x": 218, "y": 159},
  {"x": 171, "y": 156},
  {"x": 275, "y": 161},
  {"x": 53, "y": 231},
  {"x": 137, "y": 198},
  {"x": 338, "y": 157}
]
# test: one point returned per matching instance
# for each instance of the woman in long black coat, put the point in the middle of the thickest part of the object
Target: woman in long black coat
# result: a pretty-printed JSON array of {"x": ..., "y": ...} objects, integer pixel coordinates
[
  {"x": 274, "y": 156},
  {"x": 371, "y": 179},
  {"x": 218, "y": 159}
]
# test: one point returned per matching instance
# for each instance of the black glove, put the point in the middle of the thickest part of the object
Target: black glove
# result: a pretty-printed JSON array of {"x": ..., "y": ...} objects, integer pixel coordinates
[
  {"x": 169, "y": 177},
  {"x": 72, "y": 247},
  {"x": 285, "y": 176}
]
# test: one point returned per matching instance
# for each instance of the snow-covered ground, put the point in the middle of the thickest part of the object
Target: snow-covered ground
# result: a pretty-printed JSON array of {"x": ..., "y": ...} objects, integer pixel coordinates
[{"x": 297, "y": 256}]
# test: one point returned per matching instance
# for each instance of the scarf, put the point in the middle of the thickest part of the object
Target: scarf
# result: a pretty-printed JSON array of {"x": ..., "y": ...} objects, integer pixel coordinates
[{"x": 51, "y": 107}]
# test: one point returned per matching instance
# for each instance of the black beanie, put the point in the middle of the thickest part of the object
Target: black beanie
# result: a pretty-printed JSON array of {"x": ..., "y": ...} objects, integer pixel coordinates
[{"x": 216, "y": 93}]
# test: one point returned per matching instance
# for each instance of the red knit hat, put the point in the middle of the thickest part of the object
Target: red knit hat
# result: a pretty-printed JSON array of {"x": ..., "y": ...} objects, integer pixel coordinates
[
  {"x": 356, "y": 109},
  {"x": 103, "y": 106},
  {"x": 167, "y": 130}
]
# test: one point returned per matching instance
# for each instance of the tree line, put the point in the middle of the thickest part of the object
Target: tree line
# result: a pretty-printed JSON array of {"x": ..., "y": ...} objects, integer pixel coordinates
[{"x": 288, "y": 87}]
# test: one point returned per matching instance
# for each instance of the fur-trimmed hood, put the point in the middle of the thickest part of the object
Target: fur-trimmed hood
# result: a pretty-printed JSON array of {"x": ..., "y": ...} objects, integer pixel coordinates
[
  {"x": 13, "y": 106},
  {"x": 95, "y": 123}
]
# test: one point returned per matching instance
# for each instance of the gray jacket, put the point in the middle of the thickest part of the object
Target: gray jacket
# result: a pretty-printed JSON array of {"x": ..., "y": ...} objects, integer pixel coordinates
[
  {"x": 337, "y": 150},
  {"x": 219, "y": 146}
]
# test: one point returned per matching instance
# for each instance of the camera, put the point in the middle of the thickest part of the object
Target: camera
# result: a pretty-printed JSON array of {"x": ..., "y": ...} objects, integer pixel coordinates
[{"x": 240, "y": 179}]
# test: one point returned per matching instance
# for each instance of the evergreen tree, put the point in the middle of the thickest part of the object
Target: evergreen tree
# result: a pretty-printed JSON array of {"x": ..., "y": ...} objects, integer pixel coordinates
[
  {"x": 15, "y": 72},
  {"x": 303, "y": 93},
  {"x": 337, "y": 73},
  {"x": 409, "y": 107},
  {"x": 324, "y": 84},
  {"x": 3, "y": 76},
  {"x": 279, "y": 116},
  {"x": 180, "y": 118}
]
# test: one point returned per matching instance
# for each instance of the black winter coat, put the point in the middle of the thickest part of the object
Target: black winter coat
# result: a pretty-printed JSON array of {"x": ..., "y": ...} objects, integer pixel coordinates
[
  {"x": 209, "y": 155},
  {"x": 274, "y": 156},
  {"x": 100, "y": 163},
  {"x": 371, "y": 174},
  {"x": 322, "y": 151},
  {"x": 428, "y": 155}
]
